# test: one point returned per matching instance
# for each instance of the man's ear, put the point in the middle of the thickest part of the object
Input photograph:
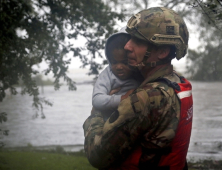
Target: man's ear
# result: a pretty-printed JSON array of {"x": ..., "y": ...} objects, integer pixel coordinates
[{"x": 163, "y": 52}]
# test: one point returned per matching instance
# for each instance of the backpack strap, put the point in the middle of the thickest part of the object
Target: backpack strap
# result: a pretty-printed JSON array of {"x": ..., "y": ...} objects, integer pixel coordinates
[{"x": 174, "y": 85}]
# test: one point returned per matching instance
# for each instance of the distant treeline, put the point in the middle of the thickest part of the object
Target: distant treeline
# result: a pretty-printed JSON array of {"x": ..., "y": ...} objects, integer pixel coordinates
[{"x": 39, "y": 81}]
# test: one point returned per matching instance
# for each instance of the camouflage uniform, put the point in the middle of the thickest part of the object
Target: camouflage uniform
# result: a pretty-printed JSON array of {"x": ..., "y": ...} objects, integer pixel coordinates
[{"x": 149, "y": 118}]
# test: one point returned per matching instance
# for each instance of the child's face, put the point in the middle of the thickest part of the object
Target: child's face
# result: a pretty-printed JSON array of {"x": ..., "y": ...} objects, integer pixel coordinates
[{"x": 119, "y": 64}]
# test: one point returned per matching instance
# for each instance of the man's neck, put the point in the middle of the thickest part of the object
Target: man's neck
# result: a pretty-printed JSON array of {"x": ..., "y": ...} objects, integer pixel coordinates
[
  {"x": 147, "y": 72},
  {"x": 150, "y": 74}
]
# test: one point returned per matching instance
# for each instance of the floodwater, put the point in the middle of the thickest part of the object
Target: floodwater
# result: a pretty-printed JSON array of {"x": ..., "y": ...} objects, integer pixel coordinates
[
  {"x": 206, "y": 139},
  {"x": 63, "y": 123}
]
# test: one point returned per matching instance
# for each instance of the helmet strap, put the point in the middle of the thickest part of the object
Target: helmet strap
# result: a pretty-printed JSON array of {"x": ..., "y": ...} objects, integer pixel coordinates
[
  {"x": 141, "y": 64},
  {"x": 144, "y": 62},
  {"x": 154, "y": 63},
  {"x": 157, "y": 63}
]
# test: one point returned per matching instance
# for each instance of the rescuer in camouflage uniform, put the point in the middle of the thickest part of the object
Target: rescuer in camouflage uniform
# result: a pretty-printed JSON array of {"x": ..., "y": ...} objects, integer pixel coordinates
[{"x": 148, "y": 118}]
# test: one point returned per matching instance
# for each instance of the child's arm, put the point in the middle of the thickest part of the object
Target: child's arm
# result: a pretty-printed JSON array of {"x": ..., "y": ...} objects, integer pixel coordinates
[
  {"x": 113, "y": 91},
  {"x": 101, "y": 99}
]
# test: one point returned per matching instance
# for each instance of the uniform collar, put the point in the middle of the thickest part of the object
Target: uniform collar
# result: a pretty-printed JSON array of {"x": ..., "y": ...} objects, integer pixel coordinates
[{"x": 161, "y": 72}]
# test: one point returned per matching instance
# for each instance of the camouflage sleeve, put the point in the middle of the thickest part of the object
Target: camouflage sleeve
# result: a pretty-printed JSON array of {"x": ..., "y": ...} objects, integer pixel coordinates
[
  {"x": 92, "y": 127},
  {"x": 107, "y": 142},
  {"x": 112, "y": 141},
  {"x": 165, "y": 118}
]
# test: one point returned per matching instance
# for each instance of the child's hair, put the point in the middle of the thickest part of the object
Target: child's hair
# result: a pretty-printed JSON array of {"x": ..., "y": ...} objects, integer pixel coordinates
[{"x": 116, "y": 42}]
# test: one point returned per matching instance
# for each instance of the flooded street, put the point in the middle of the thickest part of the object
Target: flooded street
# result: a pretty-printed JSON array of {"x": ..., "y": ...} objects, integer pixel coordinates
[
  {"x": 63, "y": 122},
  {"x": 206, "y": 139}
]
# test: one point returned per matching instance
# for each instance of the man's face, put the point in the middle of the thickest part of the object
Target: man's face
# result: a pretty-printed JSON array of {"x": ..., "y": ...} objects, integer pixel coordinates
[{"x": 136, "y": 49}]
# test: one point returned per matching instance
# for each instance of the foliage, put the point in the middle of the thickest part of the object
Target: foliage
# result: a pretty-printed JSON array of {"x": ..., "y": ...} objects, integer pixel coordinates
[
  {"x": 33, "y": 31},
  {"x": 3, "y": 118},
  {"x": 206, "y": 65},
  {"x": 212, "y": 9},
  {"x": 205, "y": 62},
  {"x": 40, "y": 81},
  {"x": 130, "y": 6},
  {"x": 204, "y": 20}
]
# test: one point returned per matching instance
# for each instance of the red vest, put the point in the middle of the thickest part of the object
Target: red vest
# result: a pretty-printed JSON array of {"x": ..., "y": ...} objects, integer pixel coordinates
[{"x": 177, "y": 157}]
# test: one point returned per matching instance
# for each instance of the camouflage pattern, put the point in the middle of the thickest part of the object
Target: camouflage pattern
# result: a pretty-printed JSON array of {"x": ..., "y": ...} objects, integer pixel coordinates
[
  {"x": 160, "y": 26},
  {"x": 148, "y": 118}
]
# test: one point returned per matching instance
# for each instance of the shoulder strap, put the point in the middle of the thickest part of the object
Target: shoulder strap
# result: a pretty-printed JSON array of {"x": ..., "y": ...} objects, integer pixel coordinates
[{"x": 174, "y": 85}]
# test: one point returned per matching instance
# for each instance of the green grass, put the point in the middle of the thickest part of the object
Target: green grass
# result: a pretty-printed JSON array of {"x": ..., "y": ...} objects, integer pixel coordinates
[
  {"x": 58, "y": 159},
  {"x": 205, "y": 165},
  {"x": 26, "y": 160}
]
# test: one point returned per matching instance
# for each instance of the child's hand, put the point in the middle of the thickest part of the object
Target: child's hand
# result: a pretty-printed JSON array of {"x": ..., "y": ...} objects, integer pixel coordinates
[
  {"x": 113, "y": 91},
  {"x": 127, "y": 94}
]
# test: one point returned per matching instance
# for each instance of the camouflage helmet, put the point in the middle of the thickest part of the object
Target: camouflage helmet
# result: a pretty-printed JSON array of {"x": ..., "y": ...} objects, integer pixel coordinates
[{"x": 160, "y": 26}]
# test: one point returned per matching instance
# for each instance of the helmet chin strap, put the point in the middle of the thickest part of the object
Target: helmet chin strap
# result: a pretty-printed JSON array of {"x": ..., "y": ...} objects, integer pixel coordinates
[{"x": 144, "y": 62}]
